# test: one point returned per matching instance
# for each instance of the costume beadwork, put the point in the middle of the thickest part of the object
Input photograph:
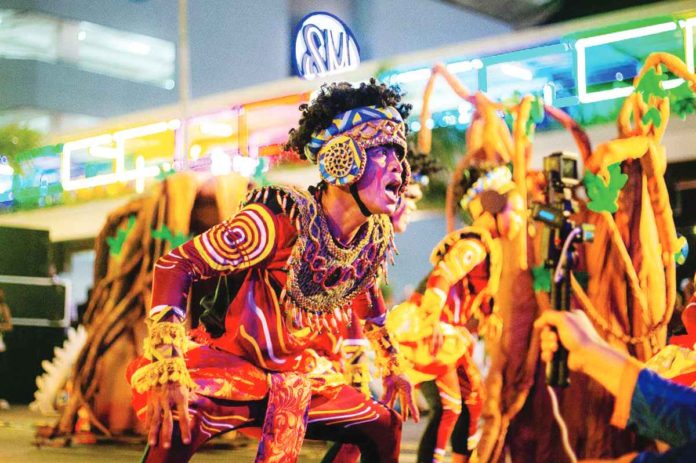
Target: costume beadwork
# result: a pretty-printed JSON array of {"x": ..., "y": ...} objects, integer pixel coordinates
[{"x": 323, "y": 276}]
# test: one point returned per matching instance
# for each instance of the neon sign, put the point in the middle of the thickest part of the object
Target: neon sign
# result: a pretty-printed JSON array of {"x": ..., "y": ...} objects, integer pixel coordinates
[
  {"x": 324, "y": 45},
  {"x": 111, "y": 147},
  {"x": 582, "y": 45},
  {"x": 6, "y": 176}
]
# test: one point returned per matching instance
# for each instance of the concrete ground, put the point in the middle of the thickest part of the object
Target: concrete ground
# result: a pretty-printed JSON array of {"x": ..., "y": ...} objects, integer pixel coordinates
[{"x": 18, "y": 426}]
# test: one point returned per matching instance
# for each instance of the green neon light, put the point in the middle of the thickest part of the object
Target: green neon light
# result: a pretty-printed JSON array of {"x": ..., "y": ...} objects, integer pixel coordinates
[{"x": 577, "y": 45}]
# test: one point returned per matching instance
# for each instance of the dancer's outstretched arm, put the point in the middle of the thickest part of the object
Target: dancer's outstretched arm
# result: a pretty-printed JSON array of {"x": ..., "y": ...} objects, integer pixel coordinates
[{"x": 244, "y": 241}]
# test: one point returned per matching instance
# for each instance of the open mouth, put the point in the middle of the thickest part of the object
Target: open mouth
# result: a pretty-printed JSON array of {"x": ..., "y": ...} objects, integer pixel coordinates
[{"x": 393, "y": 187}]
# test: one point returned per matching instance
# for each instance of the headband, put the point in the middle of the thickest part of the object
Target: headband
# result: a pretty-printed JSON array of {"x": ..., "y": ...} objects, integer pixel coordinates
[{"x": 341, "y": 149}]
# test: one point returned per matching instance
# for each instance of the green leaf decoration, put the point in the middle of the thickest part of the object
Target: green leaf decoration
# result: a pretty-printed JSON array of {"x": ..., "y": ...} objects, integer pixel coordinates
[
  {"x": 649, "y": 85},
  {"x": 684, "y": 107},
  {"x": 681, "y": 91},
  {"x": 116, "y": 243},
  {"x": 603, "y": 196},
  {"x": 653, "y": 116},
  {"x": 542, "y": 278},
  {"x": 529, "y": 128},
  {"x": 164, "y": 173},
  {"x": 682, "y": 100},
  {"x": 180, "y": 239},
  {"x": 165, "y": 234}
]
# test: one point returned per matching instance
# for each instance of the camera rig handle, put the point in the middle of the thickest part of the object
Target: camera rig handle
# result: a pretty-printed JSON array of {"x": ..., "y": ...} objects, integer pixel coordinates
[
  {"x": 561, "y": 252},
  {"x": 562, "y": 175}
]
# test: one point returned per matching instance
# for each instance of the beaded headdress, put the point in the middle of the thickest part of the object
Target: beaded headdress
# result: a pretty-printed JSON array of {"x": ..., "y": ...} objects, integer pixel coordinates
[{"x": 341, "y": 149}]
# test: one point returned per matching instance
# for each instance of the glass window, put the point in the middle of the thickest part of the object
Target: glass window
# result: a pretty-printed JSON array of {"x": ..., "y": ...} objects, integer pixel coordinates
[
  {"x": 543, "y": 71},
  {"x": 27, "y": 36},
  {"x": 126, "y": 55},
  {"x": 608, "y": 63},
  {"x": 94, "y": 48}
]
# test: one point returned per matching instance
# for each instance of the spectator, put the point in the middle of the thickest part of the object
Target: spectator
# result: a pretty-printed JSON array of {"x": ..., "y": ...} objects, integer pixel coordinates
[{"x": 646, "y": 402}]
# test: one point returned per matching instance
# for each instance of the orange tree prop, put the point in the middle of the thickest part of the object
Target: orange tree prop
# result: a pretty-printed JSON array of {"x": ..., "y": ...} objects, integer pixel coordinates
[
  {"x": 134, "y": 237},
  {"x": 631, "y": 269}
]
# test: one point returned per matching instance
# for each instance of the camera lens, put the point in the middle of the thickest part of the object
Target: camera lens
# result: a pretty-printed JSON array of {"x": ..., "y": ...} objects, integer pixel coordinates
[{"x": 569, "y": 169}]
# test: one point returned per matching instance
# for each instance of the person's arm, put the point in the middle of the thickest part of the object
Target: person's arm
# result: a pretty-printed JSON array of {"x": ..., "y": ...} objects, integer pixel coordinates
[
  {"x": 654, "y": 406},
  {"x": 371, "y": 308},
  {"x": 6, "y": 324},
  {"x": 244, "y": 241},
  {"x": 454, "y": 266},
  {"x": 459, "y": 260},
  {"x": 683, "y": 453},
  {"x": 241, "y": 242}
]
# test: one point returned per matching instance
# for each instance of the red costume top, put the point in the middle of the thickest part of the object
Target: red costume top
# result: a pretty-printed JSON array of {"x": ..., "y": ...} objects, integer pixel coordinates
[{"x": 294, "y": 283}]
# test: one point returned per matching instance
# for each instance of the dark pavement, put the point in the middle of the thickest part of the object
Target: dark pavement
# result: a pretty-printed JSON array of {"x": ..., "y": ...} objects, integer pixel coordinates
[{"x": 18, "y": 425}]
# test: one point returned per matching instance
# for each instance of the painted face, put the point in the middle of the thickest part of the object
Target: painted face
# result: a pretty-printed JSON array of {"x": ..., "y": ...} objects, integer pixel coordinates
[
  {"x": 408, "y": 205},
  {"x": 379, "y": 185},
  {"x": 510, "y": 219}
]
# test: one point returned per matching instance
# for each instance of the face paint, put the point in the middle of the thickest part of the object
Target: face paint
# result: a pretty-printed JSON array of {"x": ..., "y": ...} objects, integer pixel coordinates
[{"x": 379, "y": 185}]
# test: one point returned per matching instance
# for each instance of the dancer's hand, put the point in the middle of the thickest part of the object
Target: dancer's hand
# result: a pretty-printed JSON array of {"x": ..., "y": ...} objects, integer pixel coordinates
[
  {"x": 437, "y": 338},
  {"x": 160, "y": 403},
  {"x": 399, "y": 385}
]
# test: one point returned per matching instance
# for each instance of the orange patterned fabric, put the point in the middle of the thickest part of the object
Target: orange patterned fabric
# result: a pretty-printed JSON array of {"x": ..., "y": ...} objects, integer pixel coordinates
[
  {"x": 215, "y": 373},
  {"x": 238, "y": 243},
  {"x": 286, "y": 418},
  {"x": 233, "y": 245}
]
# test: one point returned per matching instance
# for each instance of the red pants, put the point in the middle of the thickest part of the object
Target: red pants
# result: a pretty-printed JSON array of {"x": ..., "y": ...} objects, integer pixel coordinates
[
  {"x": 344, "y": 416},
  {"x": 456, "y": 403}
]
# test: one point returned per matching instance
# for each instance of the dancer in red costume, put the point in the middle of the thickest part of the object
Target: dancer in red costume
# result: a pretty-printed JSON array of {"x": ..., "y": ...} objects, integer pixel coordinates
[{"x": 301, "y": 263}]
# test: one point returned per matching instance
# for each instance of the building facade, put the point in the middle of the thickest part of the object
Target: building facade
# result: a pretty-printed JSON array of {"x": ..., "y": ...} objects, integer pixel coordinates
[{"x": 66, "y": 64}]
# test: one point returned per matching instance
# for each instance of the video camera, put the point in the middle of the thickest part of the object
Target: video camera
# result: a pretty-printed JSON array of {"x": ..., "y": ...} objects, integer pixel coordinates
[
  {"x": 561, "y": 235},
  {"x": 561, "y": 170},
  {"x": 562, "y": 175}
]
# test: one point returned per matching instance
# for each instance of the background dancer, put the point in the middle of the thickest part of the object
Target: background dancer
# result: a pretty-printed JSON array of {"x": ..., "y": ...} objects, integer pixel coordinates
[{"x": 431, "y": 326}]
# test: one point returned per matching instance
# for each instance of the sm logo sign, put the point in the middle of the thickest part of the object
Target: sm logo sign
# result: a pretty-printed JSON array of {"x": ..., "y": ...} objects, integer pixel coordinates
[{"x": 324, "y": 45}]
